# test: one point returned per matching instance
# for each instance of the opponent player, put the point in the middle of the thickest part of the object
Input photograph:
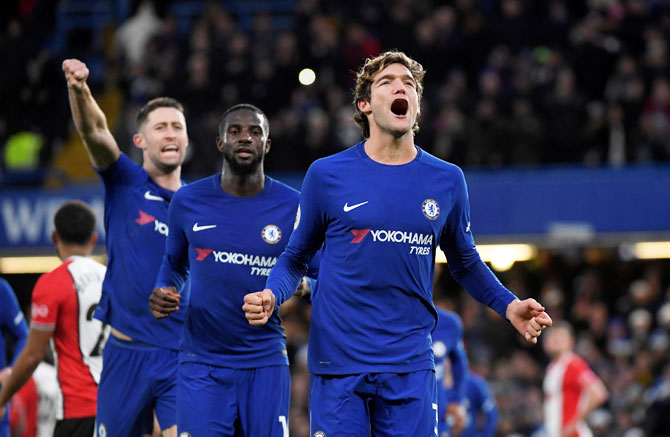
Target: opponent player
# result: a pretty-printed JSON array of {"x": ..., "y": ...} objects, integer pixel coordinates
[
  {"x": 451, "y": 368},
  {"x": 12, "y": 324},
  {"x": 228, "y": 230},
  {"x": 571, "y": 389},
  {"x": 63, "y": 302},
  {"x": 141, "y": 356},
  {"x": 382, "y": 207}
]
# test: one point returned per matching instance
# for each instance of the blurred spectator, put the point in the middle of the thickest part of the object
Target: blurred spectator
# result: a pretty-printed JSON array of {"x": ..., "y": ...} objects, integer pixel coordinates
[
  {"x": 134, "y": 34},
  {"x": 507, "y": 81}
]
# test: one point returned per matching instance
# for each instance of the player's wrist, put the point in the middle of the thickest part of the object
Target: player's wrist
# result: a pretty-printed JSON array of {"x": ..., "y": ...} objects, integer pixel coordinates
[{"x": 510, "y": 311}]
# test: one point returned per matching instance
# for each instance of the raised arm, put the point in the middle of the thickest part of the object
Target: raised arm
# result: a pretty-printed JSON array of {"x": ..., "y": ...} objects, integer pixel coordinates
[{"x": 89, "y": 119}]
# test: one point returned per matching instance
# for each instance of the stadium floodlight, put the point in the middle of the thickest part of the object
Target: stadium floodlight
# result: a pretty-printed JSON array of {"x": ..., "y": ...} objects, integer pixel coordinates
[
  {"x": 501, "y": 256},
  {"x": 652, "y": 250},
  {"x": 307, "y": 76},
  {"x": 28, "y": 264},
  {"x": 34, "y": 264}
]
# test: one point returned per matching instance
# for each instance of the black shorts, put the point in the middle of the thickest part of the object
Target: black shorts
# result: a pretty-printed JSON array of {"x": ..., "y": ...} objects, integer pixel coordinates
[{"x": 79, "y": 427}]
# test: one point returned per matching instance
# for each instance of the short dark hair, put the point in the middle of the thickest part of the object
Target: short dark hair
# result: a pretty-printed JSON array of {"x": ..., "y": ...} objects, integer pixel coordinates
[
  {"x": 74, "y": 222},
  {"x": 151, "y": 105},
  {"x": 240, "y": 107}
]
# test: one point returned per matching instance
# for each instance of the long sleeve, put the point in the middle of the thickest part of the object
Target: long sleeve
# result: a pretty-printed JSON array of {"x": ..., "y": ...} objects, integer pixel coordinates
[
  {"x": 306, "y": 239},
  {"x": 12, "y": 320},
  {"x": 174, "y": 269},
  {"x": 465, "y": 265}
]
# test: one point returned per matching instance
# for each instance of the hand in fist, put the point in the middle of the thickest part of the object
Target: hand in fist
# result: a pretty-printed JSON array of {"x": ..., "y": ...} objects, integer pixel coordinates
[
  {"x": 258, "y": 307},
  {"x": 76, "y": 73}
]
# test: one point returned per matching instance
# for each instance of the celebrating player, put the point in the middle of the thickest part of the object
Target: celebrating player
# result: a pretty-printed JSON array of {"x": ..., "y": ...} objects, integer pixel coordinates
[
  {"x": 382, "y": 207},
  {"x": 139, "y": 374},
  {"x": 63, "y": 302},
  {"x": 228, "y": 230}
]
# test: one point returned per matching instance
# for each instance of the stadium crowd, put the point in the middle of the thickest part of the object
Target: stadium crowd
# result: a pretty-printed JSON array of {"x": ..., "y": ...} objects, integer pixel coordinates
[{"x": 509, "y": 83}]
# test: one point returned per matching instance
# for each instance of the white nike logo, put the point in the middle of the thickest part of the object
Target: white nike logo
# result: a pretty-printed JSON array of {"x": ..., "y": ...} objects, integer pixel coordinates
[
  {"x": 348, "y": 208},
  {"x": 197, "y": 228},
  {"x": 150, "y": 196}
]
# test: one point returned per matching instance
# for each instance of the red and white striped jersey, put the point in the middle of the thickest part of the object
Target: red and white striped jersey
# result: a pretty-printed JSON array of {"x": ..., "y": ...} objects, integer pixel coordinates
[
  {"x": 564, "y": 387},
  {"x": 63, "y": 301}
]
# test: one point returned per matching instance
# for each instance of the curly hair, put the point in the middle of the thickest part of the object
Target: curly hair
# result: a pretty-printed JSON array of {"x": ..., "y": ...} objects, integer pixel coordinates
[{"x": 365, "y": 77}]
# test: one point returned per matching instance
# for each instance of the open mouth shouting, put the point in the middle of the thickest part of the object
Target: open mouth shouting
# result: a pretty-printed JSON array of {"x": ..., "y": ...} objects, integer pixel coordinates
[
  {"x": 399, "y": 107},
  {"x": 170, "y": 149}
]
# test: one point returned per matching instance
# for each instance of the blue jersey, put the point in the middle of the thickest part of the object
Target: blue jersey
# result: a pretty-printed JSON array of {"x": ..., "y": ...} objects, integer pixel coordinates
[
  {"x": 11, "y": 322},
  {"x": 229, "y": 244},
  {"x": 448, "y": 345},
  {"x": 136, "y": 211},
  {"x": 380, "y": 226},
  {"x": 482, "y": 418}
]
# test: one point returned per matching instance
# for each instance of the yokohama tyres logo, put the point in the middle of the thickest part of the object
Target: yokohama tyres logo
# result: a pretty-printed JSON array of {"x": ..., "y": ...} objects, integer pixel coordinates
[
  {"x": 144, "y": 218},
  {"x": 259, "y": 265},
  {"x": 392, "y": 236},
  {"x": 359, "y": 234}
]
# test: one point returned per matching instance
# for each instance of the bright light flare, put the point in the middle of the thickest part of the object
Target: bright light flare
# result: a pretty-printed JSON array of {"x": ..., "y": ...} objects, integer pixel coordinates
[
  {"x": 501, "y": 256},
  {"x": 307, "y": 76},
  {"x": 35, "y": 264},
  {"x": 652, "y": 250}
]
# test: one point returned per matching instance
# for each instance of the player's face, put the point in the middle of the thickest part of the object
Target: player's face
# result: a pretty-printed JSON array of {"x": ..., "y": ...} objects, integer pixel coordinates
[
  {"x": 557, "y": 341},
  {"x": 244, "y": 142},
  {"x": 394, "y": 102},
  {"x": 164, "y": 139}
]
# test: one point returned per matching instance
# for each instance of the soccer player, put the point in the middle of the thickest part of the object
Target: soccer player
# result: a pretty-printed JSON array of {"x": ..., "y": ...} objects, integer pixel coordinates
[
  {"x": 12, "y": 324},
  {"x": 63, "y": 302},
  {"x": 140, "y": 370},
  {"x": 482, "y": 412},
  {"x": 571, "y": 389},
  {"x": 380, "y": 209},
  {"x": 451, "y": 368},
  {"x": 227, "y": 231}
]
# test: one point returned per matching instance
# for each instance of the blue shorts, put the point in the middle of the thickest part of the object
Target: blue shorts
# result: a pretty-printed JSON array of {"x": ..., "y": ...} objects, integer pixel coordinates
[
  {"x": 136, "y": 380},
  {"x": 220, "y": 401},
  {"x": 380, "y": 404},
  {"x": 4, "y": 422}
]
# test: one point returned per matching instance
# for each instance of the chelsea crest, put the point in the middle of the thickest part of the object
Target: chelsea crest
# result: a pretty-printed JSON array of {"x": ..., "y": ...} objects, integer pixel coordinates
[
  {"x": 430, "y": 209},
  {"x": 271, "y": 234}
]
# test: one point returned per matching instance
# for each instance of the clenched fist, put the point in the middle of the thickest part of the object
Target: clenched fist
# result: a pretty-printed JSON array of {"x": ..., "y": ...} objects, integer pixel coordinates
[{"x": 76, "y": 73}]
